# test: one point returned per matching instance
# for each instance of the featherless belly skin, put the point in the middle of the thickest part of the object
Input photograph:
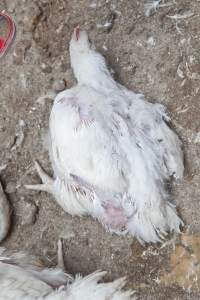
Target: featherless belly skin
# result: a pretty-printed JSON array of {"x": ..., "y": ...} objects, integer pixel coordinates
[
  {"x": 112, "y": 152},
  {"x": 23, "y": 277}
]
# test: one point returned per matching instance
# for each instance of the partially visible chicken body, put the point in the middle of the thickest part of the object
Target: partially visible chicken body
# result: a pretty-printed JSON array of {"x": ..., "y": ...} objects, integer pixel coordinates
[
  {"x": 4, "y": 214},
  {"x": 24, "y": 278},
  {"x": 112, "y": 152}
]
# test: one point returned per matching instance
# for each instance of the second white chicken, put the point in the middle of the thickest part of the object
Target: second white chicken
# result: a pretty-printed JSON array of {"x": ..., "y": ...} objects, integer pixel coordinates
[{"x": 23, "y": 277}]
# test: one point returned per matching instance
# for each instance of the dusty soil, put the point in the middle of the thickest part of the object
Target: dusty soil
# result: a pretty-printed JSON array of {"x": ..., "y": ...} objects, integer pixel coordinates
[{"x": 157, "y": 55}]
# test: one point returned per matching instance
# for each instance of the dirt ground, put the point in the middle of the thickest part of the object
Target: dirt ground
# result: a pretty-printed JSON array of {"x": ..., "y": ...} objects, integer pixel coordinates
[{"x": 157, "y": 55}]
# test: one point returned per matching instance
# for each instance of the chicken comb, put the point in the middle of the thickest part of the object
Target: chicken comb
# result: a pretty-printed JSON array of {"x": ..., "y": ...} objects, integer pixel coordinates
[{"x": 7, "y": 32}]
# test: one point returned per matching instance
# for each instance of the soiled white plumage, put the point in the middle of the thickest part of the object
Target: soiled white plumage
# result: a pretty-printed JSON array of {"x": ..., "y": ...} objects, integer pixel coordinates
[
  {"x": 22, "y": 277},
  {"x": 112, "y": 152}
]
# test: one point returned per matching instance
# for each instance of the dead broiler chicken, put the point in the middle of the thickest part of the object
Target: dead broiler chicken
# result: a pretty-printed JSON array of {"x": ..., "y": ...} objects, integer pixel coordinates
[
  {"x": 112, "y": 151},
  {"x": 23, "y": 277}
]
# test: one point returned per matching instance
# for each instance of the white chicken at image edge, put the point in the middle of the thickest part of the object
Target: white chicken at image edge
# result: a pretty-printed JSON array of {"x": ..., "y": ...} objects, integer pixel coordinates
[
  {"x": 5, "y": 214},
  {"x": 112, "y": 152},
  {"x": 23, "y": 277}
]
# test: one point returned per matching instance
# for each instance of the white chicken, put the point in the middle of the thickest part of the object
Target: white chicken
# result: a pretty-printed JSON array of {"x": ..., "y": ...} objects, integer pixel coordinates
[
  {"x": 4, "y": 214},
  {"x": 112, "y": 152},
  {"x": 23, "y": 277}
]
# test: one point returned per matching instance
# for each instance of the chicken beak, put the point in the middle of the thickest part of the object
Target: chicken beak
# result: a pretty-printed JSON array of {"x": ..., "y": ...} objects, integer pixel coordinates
[{"x": 77, "y": 32}]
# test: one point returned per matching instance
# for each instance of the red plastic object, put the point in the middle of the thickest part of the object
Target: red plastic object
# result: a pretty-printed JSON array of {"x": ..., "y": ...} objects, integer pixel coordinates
[
  {"x": 2, "y": 43},
  {"x": 5, "y": 41}
]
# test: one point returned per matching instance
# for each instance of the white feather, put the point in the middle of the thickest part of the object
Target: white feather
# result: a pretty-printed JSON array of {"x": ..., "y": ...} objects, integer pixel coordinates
[{"x": 151, "y": 5}]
